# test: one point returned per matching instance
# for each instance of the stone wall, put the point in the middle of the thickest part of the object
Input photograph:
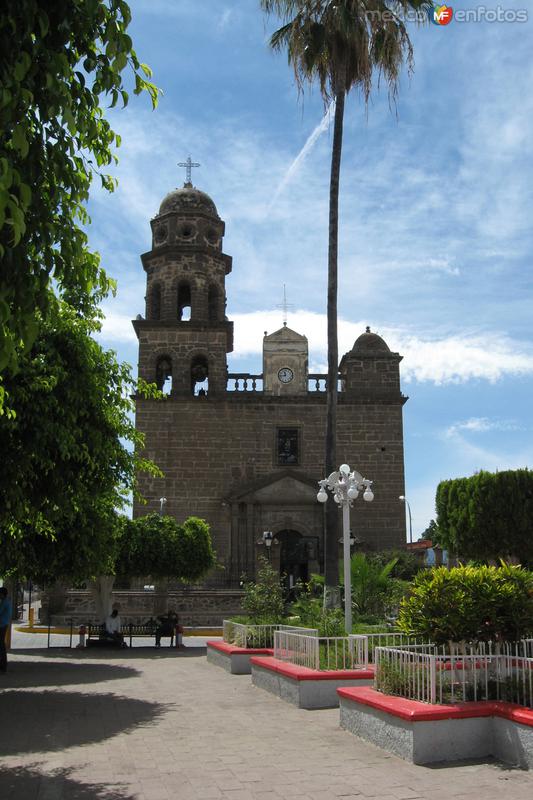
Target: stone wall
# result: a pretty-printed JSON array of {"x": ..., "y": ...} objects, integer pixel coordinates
[
  {"x": 196, "y": 607},
  {"x": 209, "y": 447}
]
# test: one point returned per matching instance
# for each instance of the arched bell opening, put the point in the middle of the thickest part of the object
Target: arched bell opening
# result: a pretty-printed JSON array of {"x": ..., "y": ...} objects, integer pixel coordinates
[
  {"x": 199, "y": 376},
  {"x": 163, "y": 374},
  {"x": 184, "y": 303}
]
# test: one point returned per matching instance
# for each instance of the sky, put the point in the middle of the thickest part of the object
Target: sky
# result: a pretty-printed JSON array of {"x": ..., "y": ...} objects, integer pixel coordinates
[{"x": 436, "y": 210}]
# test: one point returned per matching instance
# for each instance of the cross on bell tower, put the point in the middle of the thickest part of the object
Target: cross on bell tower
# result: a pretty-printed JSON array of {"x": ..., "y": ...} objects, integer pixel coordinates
[
  {"x": 188, "y": 170},
  {"x": 285, "y": 306}
]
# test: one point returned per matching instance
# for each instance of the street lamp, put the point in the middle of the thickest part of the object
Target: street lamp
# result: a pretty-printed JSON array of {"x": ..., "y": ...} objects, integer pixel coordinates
[
  {"x": 345, "y": 486},
  {"x": 406, "y": 501},
  {"x": 268, "y": 540},
  {"x": 162, "y": 501}
]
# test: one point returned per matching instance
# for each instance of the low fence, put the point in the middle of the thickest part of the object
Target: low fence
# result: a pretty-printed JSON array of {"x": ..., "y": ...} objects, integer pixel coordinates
[
  {"x": 500, "y": 671},
  {"x": 244, "y": 635},
  {"x": 390, "y": 639},
  {"x": 321, "y": 652},
  {"x": 303, "y": 646},
  {"x": 256, "y": 636}
]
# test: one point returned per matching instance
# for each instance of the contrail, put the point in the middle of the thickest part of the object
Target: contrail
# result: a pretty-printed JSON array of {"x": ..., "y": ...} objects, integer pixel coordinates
[{"x": 322, "y": 126}]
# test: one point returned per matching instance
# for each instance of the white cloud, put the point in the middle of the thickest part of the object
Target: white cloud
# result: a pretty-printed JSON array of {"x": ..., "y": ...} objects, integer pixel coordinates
[
  {"x": 459, "y": 358},
  {"x": 481, "y": 425},
  {"x": 455, "y": 358},
  {"x": 451, "y": 359},
  {"x": 117, "y": 328},
  {"x": 225, "y": 18}
]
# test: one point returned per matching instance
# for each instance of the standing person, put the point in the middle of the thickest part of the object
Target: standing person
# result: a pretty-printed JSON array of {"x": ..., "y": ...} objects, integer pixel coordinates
[{"x": 6, "y": 612}]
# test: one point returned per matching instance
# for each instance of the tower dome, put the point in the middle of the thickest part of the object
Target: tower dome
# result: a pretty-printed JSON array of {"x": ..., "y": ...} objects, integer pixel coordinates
[
  {"x": 370, "y": 342},
  {"x": 189, "y": 199}
]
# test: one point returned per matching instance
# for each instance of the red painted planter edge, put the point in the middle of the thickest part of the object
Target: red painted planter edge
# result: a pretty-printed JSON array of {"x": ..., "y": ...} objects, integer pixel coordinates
[
  {"x": 415, "y": 711},
  {"x": 231, "y": 649},
  {"x": 306, "y": 674}
]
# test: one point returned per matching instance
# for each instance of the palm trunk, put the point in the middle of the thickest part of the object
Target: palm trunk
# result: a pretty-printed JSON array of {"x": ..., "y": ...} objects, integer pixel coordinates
[{"x": 331, "y": 532}]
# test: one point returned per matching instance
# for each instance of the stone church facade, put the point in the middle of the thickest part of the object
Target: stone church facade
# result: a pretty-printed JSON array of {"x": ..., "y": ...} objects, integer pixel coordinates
[{"x": 245, "y": 451}]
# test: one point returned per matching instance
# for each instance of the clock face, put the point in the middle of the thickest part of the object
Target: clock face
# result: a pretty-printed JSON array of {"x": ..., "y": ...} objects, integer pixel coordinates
[{"x": 285, "y": 375}]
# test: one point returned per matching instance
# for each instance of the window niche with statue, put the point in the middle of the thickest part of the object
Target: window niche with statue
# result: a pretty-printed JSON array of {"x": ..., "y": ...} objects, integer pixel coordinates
[{"x": 287, "y": 447}]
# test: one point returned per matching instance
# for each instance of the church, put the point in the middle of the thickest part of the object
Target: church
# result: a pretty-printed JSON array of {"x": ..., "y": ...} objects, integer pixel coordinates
[{"x": 245, "y": 451}]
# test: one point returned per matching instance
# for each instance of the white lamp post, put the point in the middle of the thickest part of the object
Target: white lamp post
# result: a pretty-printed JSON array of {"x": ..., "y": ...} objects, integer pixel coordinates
[
  {"x": 345, "y": 486},
  {"x": 162, "y": 501},
  {"x": 405, "y": 500}
]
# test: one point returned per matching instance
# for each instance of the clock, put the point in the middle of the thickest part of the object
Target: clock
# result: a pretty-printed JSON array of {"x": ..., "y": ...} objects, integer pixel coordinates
[{"x": 285, "y": 375}]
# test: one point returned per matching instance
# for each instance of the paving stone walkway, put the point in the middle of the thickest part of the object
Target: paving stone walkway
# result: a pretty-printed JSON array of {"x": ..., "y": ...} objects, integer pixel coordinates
[{"x": 146, "y": 724}]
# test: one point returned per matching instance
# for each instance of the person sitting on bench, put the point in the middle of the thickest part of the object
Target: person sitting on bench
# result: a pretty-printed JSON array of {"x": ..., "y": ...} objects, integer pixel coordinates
[
  {"x": 166, "y": 627},
  {"x": 113, "y": 625}
]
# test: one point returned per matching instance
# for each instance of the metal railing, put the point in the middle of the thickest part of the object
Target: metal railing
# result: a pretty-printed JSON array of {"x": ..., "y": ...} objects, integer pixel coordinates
[
  {"x": 252, "y": 636},
  {"x": 528, "y": 647},
  {"x": 244, "y": 635},
  {"x": 488, "y": 671},
  {"x": 390, "y": 639},
  {"x": 332, "y": 652},
  {"x": 323, "y": 653}
]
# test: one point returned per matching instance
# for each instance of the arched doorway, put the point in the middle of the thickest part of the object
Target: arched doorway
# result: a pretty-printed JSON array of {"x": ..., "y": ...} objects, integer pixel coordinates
[{"x": 293, "y": 558}]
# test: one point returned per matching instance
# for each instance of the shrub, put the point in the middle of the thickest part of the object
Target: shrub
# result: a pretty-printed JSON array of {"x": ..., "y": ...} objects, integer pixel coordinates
[
  {"x": 469, "y": 604},
  {"x": 376, "y": 594},
  {"x": 263, "y": 598},
  {"x": 393, "y": 679},
  {"x": 309, "y": 612}
]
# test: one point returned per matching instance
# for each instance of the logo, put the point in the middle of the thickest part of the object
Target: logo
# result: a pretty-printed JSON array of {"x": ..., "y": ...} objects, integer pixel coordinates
[{"x": 441, "y": 15}]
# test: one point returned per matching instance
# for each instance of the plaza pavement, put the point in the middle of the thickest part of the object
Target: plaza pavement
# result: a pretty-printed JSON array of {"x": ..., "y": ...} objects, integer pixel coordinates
[{"x": 146, "y": 724}]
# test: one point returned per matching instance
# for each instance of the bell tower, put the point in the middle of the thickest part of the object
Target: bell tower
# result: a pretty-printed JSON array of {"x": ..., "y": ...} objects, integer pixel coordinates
[
  {"x": 185, "y": 335},
  {"x": 285, "y": 362}
]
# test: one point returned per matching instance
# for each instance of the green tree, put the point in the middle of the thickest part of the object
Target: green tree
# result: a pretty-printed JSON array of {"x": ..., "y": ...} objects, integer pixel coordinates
[
  {"x": 343, "y": 45},
  {"x": 159, "y": 547},
  {"x": 60, "y": 61},
  {"x": 69, "y": 453},
  {"x": 156, "y": 547},
  {"x": 487, "y": 516},
  {"x": 431, "y": 532},
  {"x": 483, "y": 603},
  {"x": 407, "y": 564}
]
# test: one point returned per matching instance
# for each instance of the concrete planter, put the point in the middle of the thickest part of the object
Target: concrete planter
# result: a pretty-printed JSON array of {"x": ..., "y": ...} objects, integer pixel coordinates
[
  {"x": 426, "y": 734},
  {"x": 303, "y": 687},
  {"x": 235, "y": 660}
]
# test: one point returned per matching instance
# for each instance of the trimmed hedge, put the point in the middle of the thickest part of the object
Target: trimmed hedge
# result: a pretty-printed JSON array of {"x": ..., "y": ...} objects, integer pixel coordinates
[
  {"x": 469, "y": 604},
  {"x": 487, "y": 516}
]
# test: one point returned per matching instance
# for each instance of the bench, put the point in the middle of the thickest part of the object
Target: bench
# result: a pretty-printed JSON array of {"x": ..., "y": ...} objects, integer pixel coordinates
[{"x": 96, "y": 634}]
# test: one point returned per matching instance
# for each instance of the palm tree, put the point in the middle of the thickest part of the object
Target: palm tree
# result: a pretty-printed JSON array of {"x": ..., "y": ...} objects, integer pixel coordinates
[{"x": 343, "y": 44}]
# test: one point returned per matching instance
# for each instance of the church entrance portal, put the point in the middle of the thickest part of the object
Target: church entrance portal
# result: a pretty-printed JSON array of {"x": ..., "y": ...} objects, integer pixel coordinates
[{"x": 295, "y": 554}]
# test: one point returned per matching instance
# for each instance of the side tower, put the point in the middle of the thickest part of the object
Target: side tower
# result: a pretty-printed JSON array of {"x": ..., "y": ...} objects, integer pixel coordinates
[
  {"x": 370, "y": 407},
  {"x": 185, "y": 336}
]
